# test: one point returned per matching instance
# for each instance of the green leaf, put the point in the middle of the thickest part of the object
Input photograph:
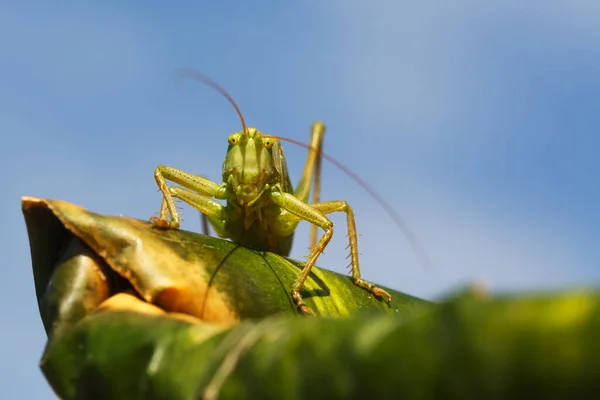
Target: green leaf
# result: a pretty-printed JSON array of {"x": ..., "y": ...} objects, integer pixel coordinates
[
  {"x": 90, "y": 256},
  {"x": 134, "y": 312},
  {"x": 465, "y": 348}
]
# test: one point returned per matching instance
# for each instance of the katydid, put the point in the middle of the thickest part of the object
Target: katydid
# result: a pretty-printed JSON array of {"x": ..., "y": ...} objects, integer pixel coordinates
[{"x": 262, "y": 209}]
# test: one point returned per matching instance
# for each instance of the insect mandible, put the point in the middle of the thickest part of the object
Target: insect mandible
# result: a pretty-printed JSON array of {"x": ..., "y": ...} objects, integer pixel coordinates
[{"x": 262, "y": 209}]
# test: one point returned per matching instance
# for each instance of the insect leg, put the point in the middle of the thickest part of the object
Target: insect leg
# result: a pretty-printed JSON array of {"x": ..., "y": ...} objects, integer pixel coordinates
[
  {"x": 204, "y": 219},
  {"x": 211, "y": 209},
  {"x": 299, "y": 210},
  {"x": 328, "y": 207},
  {"x": 313, "y": 164},
  {"x": 204, "y": 223},
  {"x": 189, "y": 181}
]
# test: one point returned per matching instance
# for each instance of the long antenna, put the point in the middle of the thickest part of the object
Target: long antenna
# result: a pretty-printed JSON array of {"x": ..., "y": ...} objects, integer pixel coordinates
[
  {"x": 410, "y": 236},
  {"x": 199, "y": 76}
]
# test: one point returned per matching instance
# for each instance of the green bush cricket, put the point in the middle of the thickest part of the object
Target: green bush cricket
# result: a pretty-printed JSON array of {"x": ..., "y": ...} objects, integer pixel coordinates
[{"x": 262, "y": 209}]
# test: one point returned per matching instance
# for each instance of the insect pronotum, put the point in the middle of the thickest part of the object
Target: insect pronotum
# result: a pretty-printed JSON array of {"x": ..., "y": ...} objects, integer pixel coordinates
[{"x": 262, "y": 209}]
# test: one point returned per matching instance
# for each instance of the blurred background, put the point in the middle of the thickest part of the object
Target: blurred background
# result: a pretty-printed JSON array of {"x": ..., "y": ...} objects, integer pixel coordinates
[{"x": 477, "y": 122}]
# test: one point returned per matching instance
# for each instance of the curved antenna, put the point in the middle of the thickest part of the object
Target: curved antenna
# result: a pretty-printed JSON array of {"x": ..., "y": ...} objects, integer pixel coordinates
[
  {"x": 410, "y": 236},
  {"x": 199, "y": 76}
]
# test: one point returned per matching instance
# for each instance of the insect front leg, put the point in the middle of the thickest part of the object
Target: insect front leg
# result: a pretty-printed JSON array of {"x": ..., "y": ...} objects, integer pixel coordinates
[
  {"x": 301, "y": 211},
  {"x": 328, "y": 207},
  {"x": 189, "y": 181},
  {"x": 211, "y": 209},
  {"x": 315, "y": 214}
]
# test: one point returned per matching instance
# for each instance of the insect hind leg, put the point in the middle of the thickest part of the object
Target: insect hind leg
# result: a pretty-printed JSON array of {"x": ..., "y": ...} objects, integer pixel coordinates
[{"x": 312, "y": 170}]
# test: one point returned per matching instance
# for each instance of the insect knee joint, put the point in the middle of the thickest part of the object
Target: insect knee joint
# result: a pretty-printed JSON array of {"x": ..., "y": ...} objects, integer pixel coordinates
[
  {"x": 174, "y": 191},
  {"x": 328, "y": 229}
]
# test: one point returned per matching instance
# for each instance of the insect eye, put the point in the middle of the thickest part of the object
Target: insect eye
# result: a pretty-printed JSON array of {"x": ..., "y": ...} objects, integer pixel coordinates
[
  {"x": 268, "y": 142},
  {"x": 233, "y": 139}
]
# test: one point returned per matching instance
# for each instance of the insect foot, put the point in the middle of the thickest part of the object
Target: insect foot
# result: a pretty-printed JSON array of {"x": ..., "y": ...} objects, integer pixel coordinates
[
  {"x": 163, "y": 223},
  {"x": 304, "y": 309},
  {"x": 378, "y": 292}
]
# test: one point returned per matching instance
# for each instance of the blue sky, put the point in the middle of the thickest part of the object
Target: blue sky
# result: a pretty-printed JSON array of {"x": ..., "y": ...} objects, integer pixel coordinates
[{"x": 477, "y": 122}]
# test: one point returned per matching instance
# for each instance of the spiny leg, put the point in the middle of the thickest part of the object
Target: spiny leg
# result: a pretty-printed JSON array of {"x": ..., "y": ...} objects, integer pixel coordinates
[
  {"x": 315, "y": 214},
  {"x": 313, "y": 165},
  {"x": 193, "y": 182},
  {"x": 328, "y": 207},
  {"x": 298, "y": 210}
]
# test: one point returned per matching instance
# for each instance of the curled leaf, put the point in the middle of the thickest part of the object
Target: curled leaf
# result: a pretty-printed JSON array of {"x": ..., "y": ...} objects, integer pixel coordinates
[{"x": 137, "y": 312}]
